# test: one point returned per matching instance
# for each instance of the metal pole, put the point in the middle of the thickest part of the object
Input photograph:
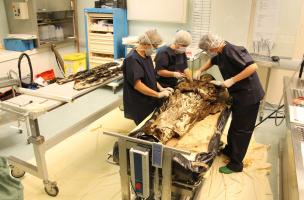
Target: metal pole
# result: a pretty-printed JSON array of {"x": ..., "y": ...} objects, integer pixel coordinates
[
  {"x": 124, "y": 178},
  {"x": 261, "y": 109},
  {"x": 157, "y": 194},
  {"x": 167, "y": 175}
]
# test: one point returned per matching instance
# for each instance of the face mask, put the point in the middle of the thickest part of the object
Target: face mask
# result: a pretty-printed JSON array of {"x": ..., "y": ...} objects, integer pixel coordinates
[
  {"x": 181, "y": 50},
  {"x": 149, "y": 52},
  {"x": 211, "y": 53}
]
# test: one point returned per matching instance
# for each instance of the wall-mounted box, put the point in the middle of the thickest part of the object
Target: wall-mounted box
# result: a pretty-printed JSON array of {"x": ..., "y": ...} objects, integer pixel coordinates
[{"x": 20, "y": 10}]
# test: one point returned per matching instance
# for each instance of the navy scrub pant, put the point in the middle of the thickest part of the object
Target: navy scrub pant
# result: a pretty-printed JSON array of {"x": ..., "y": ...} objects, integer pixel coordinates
[{"x": 239, "y": 134}]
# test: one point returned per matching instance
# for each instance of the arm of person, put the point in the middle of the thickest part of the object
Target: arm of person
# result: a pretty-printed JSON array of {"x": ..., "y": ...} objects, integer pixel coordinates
[
  {"x": 245, "y": 73},
  {"x": 206, "y": 66},
  {"x": 165, "y": 73},
  {"x": 203, "y": 68},
  {"x": 159, "y": 87},
  {"x": 142, "y": 88}
]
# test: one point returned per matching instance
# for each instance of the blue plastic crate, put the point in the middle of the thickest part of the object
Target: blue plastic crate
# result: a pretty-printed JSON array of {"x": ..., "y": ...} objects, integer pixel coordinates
[{"x": 18, "y": 44}]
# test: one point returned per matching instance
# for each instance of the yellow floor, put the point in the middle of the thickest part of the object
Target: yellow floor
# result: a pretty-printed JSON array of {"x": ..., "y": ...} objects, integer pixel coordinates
[{"x": 78, "y": 166}]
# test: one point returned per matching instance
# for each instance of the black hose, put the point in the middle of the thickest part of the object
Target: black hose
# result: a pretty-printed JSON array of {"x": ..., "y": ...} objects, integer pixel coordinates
[
  {"x": 274, "y": 112},
  {"x": 30, "y": 66}
]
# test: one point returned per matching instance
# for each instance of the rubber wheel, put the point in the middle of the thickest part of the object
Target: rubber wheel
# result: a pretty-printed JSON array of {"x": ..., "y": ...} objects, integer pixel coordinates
[
  {"x": 121, "y": 107},
  {"x": 53, "y": 191},
  {"x": 16, "y": 173}
]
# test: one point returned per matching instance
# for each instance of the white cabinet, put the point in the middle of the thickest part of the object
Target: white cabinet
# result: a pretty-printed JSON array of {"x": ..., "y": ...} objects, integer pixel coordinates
[
  {"x": 41, "y": 5},
  {"x": 52, "y": 5},
  {"x": 174, "y": 11}
]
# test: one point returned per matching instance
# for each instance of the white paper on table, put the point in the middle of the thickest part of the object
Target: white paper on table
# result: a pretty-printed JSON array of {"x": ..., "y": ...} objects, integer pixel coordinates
[{"x": 296, "y": 114}]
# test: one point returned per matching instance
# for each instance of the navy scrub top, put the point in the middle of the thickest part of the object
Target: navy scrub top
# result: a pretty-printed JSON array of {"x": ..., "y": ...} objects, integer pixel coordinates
[
  {"x": 231, "y": 61},
  {"x": 167, "y": 59},
  {"x": 138, "y": 106}
]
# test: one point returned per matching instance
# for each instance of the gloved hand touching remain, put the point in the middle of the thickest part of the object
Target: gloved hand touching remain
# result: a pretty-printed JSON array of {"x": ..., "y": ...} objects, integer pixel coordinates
[
  {"x": 163, "y": 94},
  {"x": 227, "y": 83},
  {"x": 178, "y": 75},
  {"x": 167, "y": 88},
  {"x": 217, "y": 83},
  {"x": 197, "y": 75}
]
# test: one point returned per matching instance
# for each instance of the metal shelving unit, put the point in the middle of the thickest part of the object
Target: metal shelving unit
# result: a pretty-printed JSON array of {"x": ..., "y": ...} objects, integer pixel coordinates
[
  {"x": 44, "y": 13},
  {"x": 68, "y": 20}
]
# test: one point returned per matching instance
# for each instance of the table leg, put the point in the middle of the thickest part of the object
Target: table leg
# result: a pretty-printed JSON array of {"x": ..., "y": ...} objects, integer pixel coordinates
[{"x": 262, "y": 105}]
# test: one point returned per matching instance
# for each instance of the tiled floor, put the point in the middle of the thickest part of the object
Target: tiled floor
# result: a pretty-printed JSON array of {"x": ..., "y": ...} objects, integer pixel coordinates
[{"x": 79, "y": 167}]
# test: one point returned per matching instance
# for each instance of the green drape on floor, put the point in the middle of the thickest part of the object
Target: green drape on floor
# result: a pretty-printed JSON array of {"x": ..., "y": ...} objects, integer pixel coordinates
[{"x": 10, "y": 188}]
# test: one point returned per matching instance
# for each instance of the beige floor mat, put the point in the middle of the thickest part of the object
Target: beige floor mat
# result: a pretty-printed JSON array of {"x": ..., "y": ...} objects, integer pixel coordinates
[{"x": 251, "y": 184}]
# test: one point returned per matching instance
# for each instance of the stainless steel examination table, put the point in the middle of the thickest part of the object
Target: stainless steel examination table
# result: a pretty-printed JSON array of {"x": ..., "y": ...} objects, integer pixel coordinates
[{"x": 33, "y": 105}]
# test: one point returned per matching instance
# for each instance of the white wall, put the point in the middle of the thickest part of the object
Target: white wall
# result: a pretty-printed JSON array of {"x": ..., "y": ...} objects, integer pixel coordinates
[
  {"x": 81, "y": 4},
  {"x": 166, "y": 30},
  {"x": 42, "y": 60},
  {"x": 289, "y": 20},
  {"x": 3, "y": 22},
  {"x": 286, "y": 42},
  {"x": 230, "y": 20}
]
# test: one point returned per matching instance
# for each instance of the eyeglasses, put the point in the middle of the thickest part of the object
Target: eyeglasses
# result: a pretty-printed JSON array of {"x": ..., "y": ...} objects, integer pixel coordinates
[
  {"x": 155, "y": 46},
  {"x": 183, "y": 30}
]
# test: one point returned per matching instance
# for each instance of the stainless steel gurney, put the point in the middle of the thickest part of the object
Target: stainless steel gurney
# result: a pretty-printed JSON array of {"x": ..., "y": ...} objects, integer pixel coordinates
[{"x": 174, "y": 175}]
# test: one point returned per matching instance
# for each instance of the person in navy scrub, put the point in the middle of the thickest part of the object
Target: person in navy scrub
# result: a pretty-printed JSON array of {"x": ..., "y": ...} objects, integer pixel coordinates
[
  {"x": 141, "y": 91},
  {"x": 240, "y": 78},
  {"x": 171, "y": 61}
]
